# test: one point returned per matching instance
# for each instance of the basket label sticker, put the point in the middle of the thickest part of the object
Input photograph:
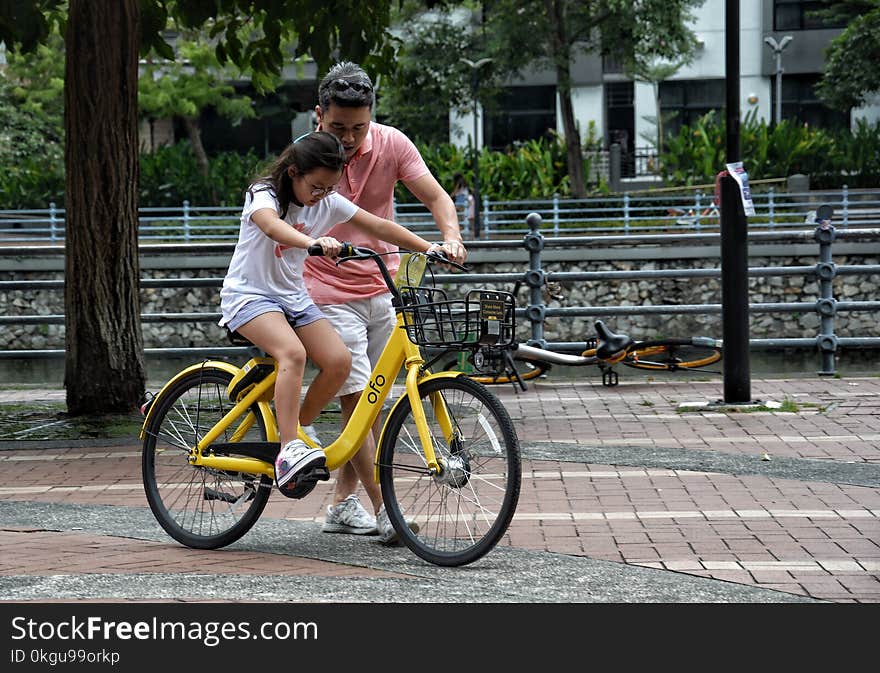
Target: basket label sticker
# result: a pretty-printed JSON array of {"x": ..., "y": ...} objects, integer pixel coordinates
[{"x": 491, "y": 309}]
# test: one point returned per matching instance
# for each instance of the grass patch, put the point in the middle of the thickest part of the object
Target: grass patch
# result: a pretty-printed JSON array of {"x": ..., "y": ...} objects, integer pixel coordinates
[
  {"x": 50, "y": 420},
  {"x": 787, "y": 405}
]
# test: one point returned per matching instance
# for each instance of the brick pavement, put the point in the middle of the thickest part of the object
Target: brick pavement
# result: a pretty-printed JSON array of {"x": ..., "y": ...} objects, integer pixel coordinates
[{"x": 786, "y": 501}]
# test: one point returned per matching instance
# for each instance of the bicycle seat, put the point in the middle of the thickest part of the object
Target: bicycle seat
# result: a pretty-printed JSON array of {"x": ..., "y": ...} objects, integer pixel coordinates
[
  {"x": 237, "y": 339},
  {"x": 610, "y": 344}
]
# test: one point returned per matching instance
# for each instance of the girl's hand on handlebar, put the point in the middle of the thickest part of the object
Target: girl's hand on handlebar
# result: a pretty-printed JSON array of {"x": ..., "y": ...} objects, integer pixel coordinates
[{"x": 329, "y": 246}]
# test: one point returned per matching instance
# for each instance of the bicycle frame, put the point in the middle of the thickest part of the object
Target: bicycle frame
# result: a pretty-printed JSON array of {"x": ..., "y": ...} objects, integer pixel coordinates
[{"x": 399, "y": 352}]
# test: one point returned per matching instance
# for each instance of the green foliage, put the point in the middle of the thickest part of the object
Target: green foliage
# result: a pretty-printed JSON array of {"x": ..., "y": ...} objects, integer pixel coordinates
[
  {"x": 36, "y": 81},
  {"x": 191, "y": 83},
  {"x": 851, "y": 72},
  {"x": 698, "y": 152},
  {"x": 31, "y": 182},
  {"x": 171, "y": 176},
  {"x": 428, "y": 70},
  {"x": 31, "y": 152},
  {"x": 535, "y": 169}
]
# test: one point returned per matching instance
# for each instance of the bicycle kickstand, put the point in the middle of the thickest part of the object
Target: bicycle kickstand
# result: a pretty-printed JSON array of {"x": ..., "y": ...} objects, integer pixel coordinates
[{"x": 510, "y": 365}]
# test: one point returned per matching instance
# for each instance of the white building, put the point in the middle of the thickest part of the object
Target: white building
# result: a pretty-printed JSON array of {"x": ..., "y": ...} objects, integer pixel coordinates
[{"x": 620, "y": 108}]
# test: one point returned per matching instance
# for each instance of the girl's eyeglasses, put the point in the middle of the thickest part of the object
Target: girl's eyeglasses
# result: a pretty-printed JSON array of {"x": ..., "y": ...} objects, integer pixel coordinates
[{"x": 321, "y": 191}]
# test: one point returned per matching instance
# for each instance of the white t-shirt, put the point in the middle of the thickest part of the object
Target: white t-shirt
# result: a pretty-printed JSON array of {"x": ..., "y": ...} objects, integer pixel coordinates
[{"x": 260, "y": 267}]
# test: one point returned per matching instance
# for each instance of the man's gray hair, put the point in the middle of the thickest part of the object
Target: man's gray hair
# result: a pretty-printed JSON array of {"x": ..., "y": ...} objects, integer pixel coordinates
[{"x": 346, "y": 84}]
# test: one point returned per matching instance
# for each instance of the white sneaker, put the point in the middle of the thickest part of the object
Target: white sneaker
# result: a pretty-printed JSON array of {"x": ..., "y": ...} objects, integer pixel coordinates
[
  {"x": 311, "y": 433},
  {"x": 387, "y": 534},
  {"x": 294, "y": 457},
  {"x": 349, "y": 516}
]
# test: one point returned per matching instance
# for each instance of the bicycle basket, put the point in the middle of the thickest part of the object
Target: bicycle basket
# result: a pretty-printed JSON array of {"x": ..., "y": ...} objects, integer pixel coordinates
[{"x": 484, "y": 317}]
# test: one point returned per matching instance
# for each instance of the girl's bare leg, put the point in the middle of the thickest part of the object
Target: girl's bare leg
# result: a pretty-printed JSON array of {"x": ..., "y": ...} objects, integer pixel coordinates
[
  {"x": 272, "y": 333},
  {"x": 333, "y": 360}
]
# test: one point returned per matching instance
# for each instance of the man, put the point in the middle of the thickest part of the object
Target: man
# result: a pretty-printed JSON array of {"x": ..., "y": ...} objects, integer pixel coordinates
[{"x": 353, "y": 296}]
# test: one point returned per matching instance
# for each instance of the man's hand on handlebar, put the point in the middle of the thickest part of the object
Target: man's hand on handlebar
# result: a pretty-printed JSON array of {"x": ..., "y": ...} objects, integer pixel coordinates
[
  {"x": 455, "y": 251},
  {"x": 450, "y": 254}
]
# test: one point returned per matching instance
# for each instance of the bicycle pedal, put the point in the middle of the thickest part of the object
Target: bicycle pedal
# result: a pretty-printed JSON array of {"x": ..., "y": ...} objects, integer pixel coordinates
[
  {"x": 610, "y": 378},
  {"x": 303, "y": 484}
]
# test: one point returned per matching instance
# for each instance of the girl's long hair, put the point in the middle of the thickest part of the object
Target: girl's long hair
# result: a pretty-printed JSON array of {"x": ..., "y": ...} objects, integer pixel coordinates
[{"x": 318, "y": 149}]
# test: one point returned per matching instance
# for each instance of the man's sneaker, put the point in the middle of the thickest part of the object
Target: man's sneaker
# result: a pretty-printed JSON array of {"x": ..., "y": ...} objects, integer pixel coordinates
[
  {"x": 387, "y": 534},
  {"x": 311, "y": 433},
  {"x": 295, "y": 457},
  {"x": 349, "y": 516}
]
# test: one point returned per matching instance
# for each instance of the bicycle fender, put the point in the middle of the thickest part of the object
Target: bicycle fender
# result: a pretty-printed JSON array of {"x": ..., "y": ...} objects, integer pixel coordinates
[
  {"x": 226, "y": 366},
  {"x": 427, "y": 377}
]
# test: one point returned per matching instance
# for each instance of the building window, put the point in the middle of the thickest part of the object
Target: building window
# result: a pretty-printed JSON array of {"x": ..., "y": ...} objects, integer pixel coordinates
[
  {"x": 522, "y": 113},
  {"x": 689, "y": 100},
  {"x": 800, "y": 15},
  {"x": 800, "y": 103}
]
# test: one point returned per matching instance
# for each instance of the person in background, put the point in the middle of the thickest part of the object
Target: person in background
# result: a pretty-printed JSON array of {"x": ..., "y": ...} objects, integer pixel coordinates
[
  {"x": 264, "y": 298},
  {"x": 357, "y": 301},
  {"x": 463, "y": 199}
]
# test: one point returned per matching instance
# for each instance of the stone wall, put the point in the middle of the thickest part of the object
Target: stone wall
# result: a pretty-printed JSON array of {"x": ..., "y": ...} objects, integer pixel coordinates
[{"x": 646, "y": 292}]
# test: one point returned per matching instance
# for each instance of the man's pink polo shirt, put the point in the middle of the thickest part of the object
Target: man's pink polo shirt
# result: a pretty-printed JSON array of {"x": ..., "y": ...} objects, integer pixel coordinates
[{"x": 385, "y": 157}]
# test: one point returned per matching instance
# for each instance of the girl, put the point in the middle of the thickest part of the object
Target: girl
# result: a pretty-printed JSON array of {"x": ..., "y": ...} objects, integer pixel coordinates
[{"x": 264, "y": 298}]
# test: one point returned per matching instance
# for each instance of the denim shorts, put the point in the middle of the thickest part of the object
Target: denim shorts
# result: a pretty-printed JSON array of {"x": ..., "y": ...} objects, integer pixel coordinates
[{"x": 252, "y": 309}]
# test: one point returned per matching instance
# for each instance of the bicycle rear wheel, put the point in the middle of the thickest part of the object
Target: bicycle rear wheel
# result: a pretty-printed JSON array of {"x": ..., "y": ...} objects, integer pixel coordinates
[
  {"x": 673, "y": 353},
  {"x": 199, "y": 507},
  {"x": 465, "y": 510}
]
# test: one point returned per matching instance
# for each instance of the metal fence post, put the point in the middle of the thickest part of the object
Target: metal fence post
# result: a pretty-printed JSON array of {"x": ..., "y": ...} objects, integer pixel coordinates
[
  {"x": 534, "y": 277},
  {"x": 845, "y": 199},
  {"x": 698, "y": 209},
  {"x": 626, "y": 213},
  {"x": 771, "y": 207},
  {"x": 53, "y": 221},
  {"x": 186, "y": 221},
  {"x": 826, "y": 306},
  {"x": 487, "y": 218},
  {"x": 556, "y": 214}
]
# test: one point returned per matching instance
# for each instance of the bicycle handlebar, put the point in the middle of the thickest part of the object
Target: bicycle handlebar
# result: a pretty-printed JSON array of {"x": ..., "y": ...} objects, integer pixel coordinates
[{"x": 352, "y": 252}]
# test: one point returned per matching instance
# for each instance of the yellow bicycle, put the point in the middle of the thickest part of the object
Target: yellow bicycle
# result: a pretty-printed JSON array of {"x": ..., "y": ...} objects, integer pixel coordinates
[{"x": 448, "y": 456}]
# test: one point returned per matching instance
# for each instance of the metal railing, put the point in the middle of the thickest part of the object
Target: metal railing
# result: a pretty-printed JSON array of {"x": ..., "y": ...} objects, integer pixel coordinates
[
  {"x": 826, "y": 306},
  {"x": 629, "y": 214}
]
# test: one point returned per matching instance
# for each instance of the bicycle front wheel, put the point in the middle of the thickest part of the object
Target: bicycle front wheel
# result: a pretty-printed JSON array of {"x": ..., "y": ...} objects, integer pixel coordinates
[
  {"x": 463, "y": 511},
  {"x": 674, "y": 353},
  {"x": 200, "y": 507}
]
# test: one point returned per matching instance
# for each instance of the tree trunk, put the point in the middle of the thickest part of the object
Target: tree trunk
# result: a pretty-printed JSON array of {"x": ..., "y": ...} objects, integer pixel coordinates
[
  {"x": 104, "y": 369},
  {"x": 195, "y": 138},
  {"x": 574, "y": 154},
  {"x": 561, "y": 54},
  {"x": 194, "y": 131}
]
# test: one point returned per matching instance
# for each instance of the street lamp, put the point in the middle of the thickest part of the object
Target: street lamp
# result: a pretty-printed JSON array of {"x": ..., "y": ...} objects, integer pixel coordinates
[
  {"x": 475, "y": 84},
  {"x": 777, "y": 48}
]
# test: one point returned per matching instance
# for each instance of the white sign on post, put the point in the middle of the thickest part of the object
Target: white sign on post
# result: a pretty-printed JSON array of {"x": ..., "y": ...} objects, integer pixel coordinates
[{"x": 738, "y": 173}]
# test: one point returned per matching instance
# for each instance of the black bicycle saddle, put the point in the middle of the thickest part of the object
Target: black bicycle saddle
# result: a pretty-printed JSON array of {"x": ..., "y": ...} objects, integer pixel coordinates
[{"x": 610, "y": 344}]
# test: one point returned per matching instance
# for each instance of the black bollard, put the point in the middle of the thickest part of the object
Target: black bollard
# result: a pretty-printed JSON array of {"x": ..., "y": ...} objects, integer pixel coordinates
[{"x": 734, "y": 294}]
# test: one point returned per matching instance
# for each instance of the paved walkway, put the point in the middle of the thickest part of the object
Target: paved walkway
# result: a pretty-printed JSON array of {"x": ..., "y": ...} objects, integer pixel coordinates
[{"x": 626, "y": 497}]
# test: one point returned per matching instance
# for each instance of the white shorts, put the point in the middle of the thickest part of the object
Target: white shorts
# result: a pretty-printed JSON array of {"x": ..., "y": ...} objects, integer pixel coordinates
[{"x": 364, "y": 326}]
